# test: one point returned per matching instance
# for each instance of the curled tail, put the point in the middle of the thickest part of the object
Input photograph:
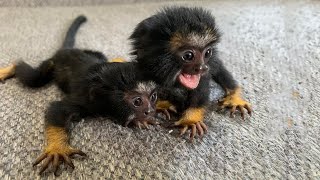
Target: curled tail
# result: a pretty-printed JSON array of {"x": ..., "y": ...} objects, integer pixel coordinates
[
  {"x": 43, "y": 74},
  {"x": 70, "y": 37}
]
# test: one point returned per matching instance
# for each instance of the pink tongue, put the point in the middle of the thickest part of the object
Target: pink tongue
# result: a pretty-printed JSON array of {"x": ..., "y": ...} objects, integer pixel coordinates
[{"x": 189, "y": 81}]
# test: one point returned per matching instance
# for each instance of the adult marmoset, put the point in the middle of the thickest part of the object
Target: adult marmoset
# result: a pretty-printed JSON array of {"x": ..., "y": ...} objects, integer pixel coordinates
[
  {"x": 92, "y": 87},
  {"x": 176, "y": 48}
]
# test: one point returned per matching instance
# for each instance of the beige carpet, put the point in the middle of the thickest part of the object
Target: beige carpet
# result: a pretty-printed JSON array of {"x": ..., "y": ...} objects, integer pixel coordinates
[{"x": 273, "y": 49}]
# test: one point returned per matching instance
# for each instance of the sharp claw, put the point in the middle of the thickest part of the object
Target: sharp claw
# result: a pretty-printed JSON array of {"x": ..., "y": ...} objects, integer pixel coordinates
[
  {"x": 248, "y": 109},
  {"x": 193, "y": 132},
  {"x": 46, "y": 164},
  {"x": 165, "y": 112},
  {"x": 145, "y": 124},
  {"x": 39, "y": 159},
  {"x": 204, "y": 127},
  {"x": 242, "y": 111},
  {"x": 68, "y": 161},
  {"x": 183, "y": 130},
  {"x": 55, "y": 163},
  {"x": 233, "y": 110},
  {"x": 79, "y": 152},
  {"x": 153, "y": 122},
  {"x": 199, "y": 128}
]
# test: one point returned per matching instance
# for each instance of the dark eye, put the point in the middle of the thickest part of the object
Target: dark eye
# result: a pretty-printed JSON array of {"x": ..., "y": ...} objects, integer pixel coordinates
[
  {"x": 208, "y": 53},
  {"x": 188, "y": 56},
  {"x": 137, "y": 102},
  {"x": 153, "y": 97}
]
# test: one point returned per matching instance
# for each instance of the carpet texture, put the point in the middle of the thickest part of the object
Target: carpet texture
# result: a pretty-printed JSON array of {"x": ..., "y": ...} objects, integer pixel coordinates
[{"x": 272, "y": 49}]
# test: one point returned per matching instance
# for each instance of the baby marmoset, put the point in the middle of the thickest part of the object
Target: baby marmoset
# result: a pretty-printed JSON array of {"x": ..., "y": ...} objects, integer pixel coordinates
[
  {"x": 176, "y": 48},
  {"x": 92, "y": 86}
]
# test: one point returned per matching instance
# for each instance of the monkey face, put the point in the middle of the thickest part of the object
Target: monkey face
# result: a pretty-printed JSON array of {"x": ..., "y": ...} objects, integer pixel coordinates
[
  {"x": 194, "y": 66},
  {"x": 143, "y": 105},
  {"x": 142, "y": 101}
]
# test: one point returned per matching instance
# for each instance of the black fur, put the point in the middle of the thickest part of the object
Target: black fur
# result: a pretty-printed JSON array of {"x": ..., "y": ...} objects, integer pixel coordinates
[
  {"x": 151, "y": 46},
  {"x": 91, "y": 84}
]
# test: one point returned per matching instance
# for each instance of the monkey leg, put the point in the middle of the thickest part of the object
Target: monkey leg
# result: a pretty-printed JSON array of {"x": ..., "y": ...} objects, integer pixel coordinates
[
  {"x": 192, "y": 118},
  {"x": 58, "y": 147},
  {"x": 164, "y": 107},
  {"x": 234, "y": 101},
  {"x": 7, "y": 72}
]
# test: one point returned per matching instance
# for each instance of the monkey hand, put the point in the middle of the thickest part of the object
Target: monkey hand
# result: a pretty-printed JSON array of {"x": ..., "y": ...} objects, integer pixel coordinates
[
  {"x": 53, "y": 153},
  {"x": 235, "y": 101},
  {"x": 7, "y": 72},
  {"x": 192, "y": 118},
  {"x": 142, "y": 123},
  {"x": 164, "y": 107}
]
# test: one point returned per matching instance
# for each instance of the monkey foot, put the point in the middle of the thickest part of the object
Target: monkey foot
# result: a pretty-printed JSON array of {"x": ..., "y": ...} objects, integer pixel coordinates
[
  {"x": 53, "y": 154},
  {"x": 234, "y": 101},
  {"x": 142, "y": 123},
  {"x": 193, "y": 120},
  {"x": 7, "y": 72},
  {"x": 165, "y": 107},
  {"x": 199, "y": 127}
]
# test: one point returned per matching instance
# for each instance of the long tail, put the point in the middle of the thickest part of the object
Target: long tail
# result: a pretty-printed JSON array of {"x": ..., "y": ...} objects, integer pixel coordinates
[
  {"x": 43, "y": 74},
  {"x": 70, "y": 37},
  {"x": 32, "y": 77}
]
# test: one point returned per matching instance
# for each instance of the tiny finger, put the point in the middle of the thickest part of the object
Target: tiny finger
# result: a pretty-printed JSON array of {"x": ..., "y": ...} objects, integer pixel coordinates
[
  {"x": 145, "y": 124},
  {"x": 248, "y": 109},
  {"x": 199, "y": 128},
  {"x": 45, "y": 164},
  {"x": 204, "y": 127},
  {"x": 79, "y": 152},
  {"x": 183, "y": 130},
  {"x": 68, "y": 161},
  {"x": 39, "y": 159},
  {"x": 193, "y": 132},
  {"x": 55, "y": 164},
  {"x": 232, "y": 111},
  {"x": 241, "y": 111}
]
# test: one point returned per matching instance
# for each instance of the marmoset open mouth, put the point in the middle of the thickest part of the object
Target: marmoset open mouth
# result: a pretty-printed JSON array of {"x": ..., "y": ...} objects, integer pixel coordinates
[{"x": 190, "y": 81}]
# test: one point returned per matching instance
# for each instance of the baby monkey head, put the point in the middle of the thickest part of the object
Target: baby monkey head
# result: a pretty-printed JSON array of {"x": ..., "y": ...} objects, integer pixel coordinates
[
  {"x": 142, "y": 101},
  {"x": 192, "y": 50},
  {"x": 176, "y": 44}
]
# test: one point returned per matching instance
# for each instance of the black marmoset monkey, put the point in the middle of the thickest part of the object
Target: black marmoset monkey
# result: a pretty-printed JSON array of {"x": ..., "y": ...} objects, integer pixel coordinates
[
  {"x": 92, "y": 86},
  {"x": 177, "y": 49}
]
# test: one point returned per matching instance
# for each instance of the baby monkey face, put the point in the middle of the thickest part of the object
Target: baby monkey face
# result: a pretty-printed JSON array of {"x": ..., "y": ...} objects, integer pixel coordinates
[
  {"x": 193, "y": 51},
  {"x": 142, "y": 100},
  {"x": 143, "y": 104},
  {"x": 195, "y": 64}
]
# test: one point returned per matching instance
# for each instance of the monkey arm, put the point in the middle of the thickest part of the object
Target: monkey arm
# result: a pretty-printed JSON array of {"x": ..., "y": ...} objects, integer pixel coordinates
[
  {"x": 7, "y": 72},
  {"x": 56, "y": 131},
  {"x": 232, "y": 97}
]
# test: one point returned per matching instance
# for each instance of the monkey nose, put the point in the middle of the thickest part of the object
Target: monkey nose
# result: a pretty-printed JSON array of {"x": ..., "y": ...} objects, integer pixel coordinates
[
  {"x": 200, "y": 68},
  {"x": 149, "y": 111},
  {"x": 204, "y": 68}
]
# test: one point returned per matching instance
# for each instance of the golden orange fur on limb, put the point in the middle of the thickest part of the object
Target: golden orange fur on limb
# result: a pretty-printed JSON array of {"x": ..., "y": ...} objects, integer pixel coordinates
[
  {"x": 234, "y": 101},
  {"x": 192, "y": 118},
  {"x": 57, "y": 148},
  {"x": 7, "y": 72}
]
